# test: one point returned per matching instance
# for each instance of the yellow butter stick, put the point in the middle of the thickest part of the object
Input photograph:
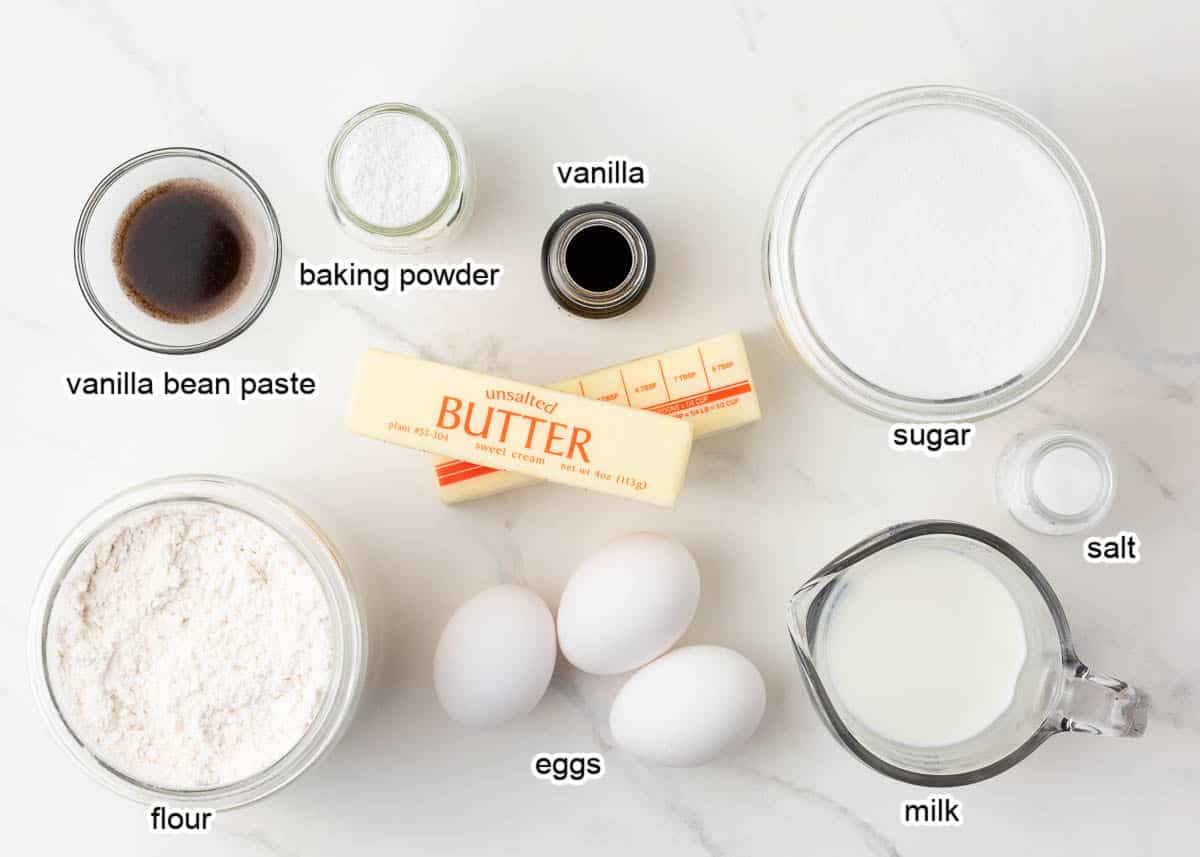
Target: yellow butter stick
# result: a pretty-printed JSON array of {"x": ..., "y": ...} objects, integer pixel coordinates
[
  {"x": 707, "y": 385},
  {"x": 539, "y": 432}
]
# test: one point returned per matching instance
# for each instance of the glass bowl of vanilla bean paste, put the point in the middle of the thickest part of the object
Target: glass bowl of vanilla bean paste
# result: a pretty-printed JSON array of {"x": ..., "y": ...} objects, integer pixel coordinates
[{"x": 178, "y": 250}]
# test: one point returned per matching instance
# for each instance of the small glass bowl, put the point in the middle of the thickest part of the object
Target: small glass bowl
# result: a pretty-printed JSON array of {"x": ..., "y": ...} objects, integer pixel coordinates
[
  {"x": 784, "y": 294},
  {"x": 97, "y": 274},
  {"x": 1016, "y": 474},
  {"x": 348, "y": 633},
  {"x": 438, "y": 227}
]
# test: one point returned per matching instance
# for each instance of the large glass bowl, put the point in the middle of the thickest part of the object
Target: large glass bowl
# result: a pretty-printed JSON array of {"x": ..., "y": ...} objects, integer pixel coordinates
[
  {"x": 794, "y": 319},
  {"x": 348, "y": 632}
]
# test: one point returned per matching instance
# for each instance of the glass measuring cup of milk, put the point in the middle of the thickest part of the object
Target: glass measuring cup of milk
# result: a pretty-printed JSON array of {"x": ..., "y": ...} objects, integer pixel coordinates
[{"x": 938, "y": 654}]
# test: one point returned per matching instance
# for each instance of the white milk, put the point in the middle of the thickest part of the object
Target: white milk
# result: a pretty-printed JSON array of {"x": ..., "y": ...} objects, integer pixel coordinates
[{"x": 922, "y": 645}]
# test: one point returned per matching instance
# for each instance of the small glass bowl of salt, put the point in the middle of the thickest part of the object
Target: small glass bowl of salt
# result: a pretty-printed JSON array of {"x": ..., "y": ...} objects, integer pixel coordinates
[
  {"x": 398, "y": 178},
  {"x": 1057, "y": 481}
]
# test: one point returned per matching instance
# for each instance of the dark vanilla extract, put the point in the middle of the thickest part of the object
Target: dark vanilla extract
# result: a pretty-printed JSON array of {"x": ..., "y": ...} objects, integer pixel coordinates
[
  {"x": 599, "y": 258},
  {"x": 182, "y": 251}
]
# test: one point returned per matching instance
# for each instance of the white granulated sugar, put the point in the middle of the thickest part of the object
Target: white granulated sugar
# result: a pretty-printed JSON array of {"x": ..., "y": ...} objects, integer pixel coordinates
[
  {"x": 940, "y": 252},
  {"x": 393, "y": 169},
  {"x": 189, "y": 646}
]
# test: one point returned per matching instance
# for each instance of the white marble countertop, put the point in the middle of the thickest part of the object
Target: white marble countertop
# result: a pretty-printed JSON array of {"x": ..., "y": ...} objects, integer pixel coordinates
[{"x": 715, "y": 98}]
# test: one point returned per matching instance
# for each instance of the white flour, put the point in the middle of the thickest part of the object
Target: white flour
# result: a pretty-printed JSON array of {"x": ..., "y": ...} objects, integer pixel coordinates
[
  {"x": 189, "y": 646},
  {"x": 393, "y": 169},
  {"x": 939, "y": 253}
]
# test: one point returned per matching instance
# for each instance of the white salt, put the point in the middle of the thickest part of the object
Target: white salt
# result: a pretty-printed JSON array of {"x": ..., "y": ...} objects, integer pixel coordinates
[
  {"x": 1068, "y": 481},
  {"x": 940, "y": 252},
  {"x": 393, "y": 169}
]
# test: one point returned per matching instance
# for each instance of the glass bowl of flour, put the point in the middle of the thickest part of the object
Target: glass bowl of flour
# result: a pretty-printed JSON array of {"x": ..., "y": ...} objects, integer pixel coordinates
[
  {"x": 934, "y": 253},
  {"x": 196, "y": 641}
]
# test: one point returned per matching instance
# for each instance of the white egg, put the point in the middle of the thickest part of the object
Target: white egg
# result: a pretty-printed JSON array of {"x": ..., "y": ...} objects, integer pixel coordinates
[
  {"x": 689, "y": 706},
  {"x": 495, "y": 657},
  {"x": 628, "y": 603}
]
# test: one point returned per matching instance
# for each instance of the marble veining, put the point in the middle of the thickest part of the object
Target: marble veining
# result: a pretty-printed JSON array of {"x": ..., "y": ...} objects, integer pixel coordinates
[{"x": 715, "y": 98}]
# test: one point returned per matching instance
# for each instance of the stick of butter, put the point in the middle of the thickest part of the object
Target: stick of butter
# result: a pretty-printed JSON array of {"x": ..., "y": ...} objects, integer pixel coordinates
[
  {"x": 536, "y": 431},
  {"x": 707, "y": 385}
]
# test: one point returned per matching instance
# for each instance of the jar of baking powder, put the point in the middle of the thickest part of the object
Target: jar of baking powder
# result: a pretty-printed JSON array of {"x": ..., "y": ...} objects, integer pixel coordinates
[{"x": 398, "y": 178}]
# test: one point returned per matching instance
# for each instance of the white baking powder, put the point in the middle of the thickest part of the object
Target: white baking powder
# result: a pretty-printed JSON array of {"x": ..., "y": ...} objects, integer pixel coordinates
[
  {"x": 940, "y": 252},
  {"x": 189, "y": 646},
  {"x": 393, "y": 169}
]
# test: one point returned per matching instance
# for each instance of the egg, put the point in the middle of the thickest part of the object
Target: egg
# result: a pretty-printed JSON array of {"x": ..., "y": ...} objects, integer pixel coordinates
[
  {"x": 628, "y": 603},
  {"x": 689, "y": 706},
  {"x": 495, "y": 657}
]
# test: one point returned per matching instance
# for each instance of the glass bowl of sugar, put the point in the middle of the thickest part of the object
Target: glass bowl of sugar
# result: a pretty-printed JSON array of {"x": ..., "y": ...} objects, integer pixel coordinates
[
  {"x": 934, "y": 254},
  {"x": 178, "y": 250},
  {"x": 398, "y": 178}
]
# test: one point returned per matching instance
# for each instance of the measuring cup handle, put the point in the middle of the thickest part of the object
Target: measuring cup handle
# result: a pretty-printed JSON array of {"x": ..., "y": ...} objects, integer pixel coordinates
[{"x": 1099, "y": 704}]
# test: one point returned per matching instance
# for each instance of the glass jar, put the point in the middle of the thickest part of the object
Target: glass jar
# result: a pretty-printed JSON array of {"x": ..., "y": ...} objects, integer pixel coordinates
[
  {"x": 448, "y": 216},
  {"x": 588, "y": 299},
  {"x": 1057, "y": 481},
  {"x": 348, "y": 627},
  {"x": 794, "y": 318}
]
